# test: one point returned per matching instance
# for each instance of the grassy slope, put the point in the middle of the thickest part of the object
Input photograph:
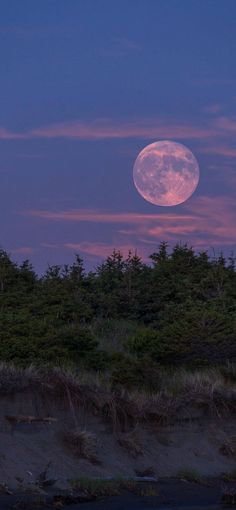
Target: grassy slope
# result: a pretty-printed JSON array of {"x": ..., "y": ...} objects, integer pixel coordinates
[{"x": 212, "y": 389}]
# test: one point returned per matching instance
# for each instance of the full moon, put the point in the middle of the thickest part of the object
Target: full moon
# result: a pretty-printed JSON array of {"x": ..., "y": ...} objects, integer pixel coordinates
[{"x": 166, "y": 173}]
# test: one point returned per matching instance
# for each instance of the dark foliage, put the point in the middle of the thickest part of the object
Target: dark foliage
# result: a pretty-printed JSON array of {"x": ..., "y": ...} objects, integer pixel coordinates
[{"x": 180, "y": 309}]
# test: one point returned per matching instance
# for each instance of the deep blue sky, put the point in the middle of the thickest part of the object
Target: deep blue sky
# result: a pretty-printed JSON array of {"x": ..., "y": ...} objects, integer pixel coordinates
[{"x": 85, "y": 85}]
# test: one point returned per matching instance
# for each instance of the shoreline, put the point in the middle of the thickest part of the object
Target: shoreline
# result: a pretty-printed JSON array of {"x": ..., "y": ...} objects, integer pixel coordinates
[{"x": 169, "y": 493}]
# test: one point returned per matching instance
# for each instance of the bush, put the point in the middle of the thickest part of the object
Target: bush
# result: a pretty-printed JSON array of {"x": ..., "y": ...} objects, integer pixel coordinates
[
  {"x": 133, "y": 373},
  {"x": 199, "y": 336}
]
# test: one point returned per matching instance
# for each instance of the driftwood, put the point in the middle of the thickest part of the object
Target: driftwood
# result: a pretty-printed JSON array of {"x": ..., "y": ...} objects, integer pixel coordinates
[{"x": 29, "y": 419}]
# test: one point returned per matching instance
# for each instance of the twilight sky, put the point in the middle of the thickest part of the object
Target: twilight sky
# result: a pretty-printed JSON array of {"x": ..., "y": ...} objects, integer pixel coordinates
[{"x": 85, "y": 85}]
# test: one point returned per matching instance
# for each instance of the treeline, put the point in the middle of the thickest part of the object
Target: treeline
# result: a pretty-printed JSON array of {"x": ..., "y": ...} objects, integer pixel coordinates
[{"x": 179, "y": 309}]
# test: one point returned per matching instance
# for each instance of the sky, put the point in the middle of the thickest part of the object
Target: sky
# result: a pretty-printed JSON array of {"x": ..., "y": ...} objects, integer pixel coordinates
[{"x": 85, "y": 86}]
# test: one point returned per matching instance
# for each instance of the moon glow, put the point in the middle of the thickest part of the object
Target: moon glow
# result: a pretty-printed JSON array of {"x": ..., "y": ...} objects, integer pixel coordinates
[{"x": 166, "y": 173}]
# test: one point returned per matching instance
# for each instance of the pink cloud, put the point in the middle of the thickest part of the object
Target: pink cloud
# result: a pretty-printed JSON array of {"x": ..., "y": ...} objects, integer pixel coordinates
[
  {"x": 100, "y": 129},
  {"x": 5, "y": 134},
  {"x": 203, "y": 221},
  {"x": 91, "y": 215},
  {"x": 104, "y": 128},
  {"x": 24, "y": 250},
  {"x": 215, "y": 218},
  {"x": 226, "y": 123},
  {"x": 222, "y": 150},
  {"x": 213, "y": 108},
  {"x": 103, "y": 250}
]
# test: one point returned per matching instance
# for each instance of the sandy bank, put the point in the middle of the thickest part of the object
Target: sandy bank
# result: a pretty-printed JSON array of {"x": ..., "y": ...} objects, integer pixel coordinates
[{"x": 83, "y": 433}]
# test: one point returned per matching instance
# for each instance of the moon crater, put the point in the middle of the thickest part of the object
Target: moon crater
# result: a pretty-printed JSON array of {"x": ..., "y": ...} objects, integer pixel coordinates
[{"x": 166, "y": 173}]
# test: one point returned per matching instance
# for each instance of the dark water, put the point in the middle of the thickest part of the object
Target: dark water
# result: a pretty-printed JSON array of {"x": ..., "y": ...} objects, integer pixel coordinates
[
  {"x": 116, "y": 503},
  {"x": 170, "y": 494}
]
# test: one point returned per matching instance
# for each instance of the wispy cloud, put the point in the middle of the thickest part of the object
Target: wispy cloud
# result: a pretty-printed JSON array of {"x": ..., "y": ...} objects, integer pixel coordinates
[
  {"x": 226, "y": 124},
  {"x": 120, "y": 47},
  {"x": 214, "y": 223},
  {"x": 95, "y": 216},
  {"x": 220, "y": 149},
  {"x": 105, "y": 129},
  {"x": 215, "y": 136},
  {"x": 213, "y": 108},
  {"x": 203, "y": 221},
  {"x": 103, "y": 250},
  {"x": 23, "y": 250},
  {"x": 6, "y": 134},
  {"x": 101, "y": 129}
]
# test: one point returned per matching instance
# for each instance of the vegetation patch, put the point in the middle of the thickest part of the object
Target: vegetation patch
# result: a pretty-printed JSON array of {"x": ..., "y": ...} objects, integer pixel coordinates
[
  {"x": 81, "y": 443},
  {"x": 99, "y": 487},
  {"x": 147, "y": 472},
  {"x": 228, "y": 448},
  {"x": 131, "y": 444},
  {"x": 229, "y": 497},
  {"x": 230, "y": 476},
  {"x": 191, "y": 475},
  {"x": 180, "y": 392}
]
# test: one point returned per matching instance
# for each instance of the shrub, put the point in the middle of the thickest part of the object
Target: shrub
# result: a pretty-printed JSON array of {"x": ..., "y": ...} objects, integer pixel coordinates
[
  {"x": 190, "y": 475},
  {"x": 81, "y": 443},
  {"x": 133, "y": 373},
  {"x": 197, "y": 337}
]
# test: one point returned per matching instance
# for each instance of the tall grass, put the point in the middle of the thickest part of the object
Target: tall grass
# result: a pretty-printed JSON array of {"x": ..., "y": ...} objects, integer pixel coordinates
[
  {"x": 81, "y": 443},
  {"x": 178, "y": 390},
  {"x": 113, "y": 334}
]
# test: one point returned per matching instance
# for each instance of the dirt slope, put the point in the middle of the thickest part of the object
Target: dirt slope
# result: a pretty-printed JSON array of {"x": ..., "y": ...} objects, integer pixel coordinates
[{"x": 196, "y": 440}]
